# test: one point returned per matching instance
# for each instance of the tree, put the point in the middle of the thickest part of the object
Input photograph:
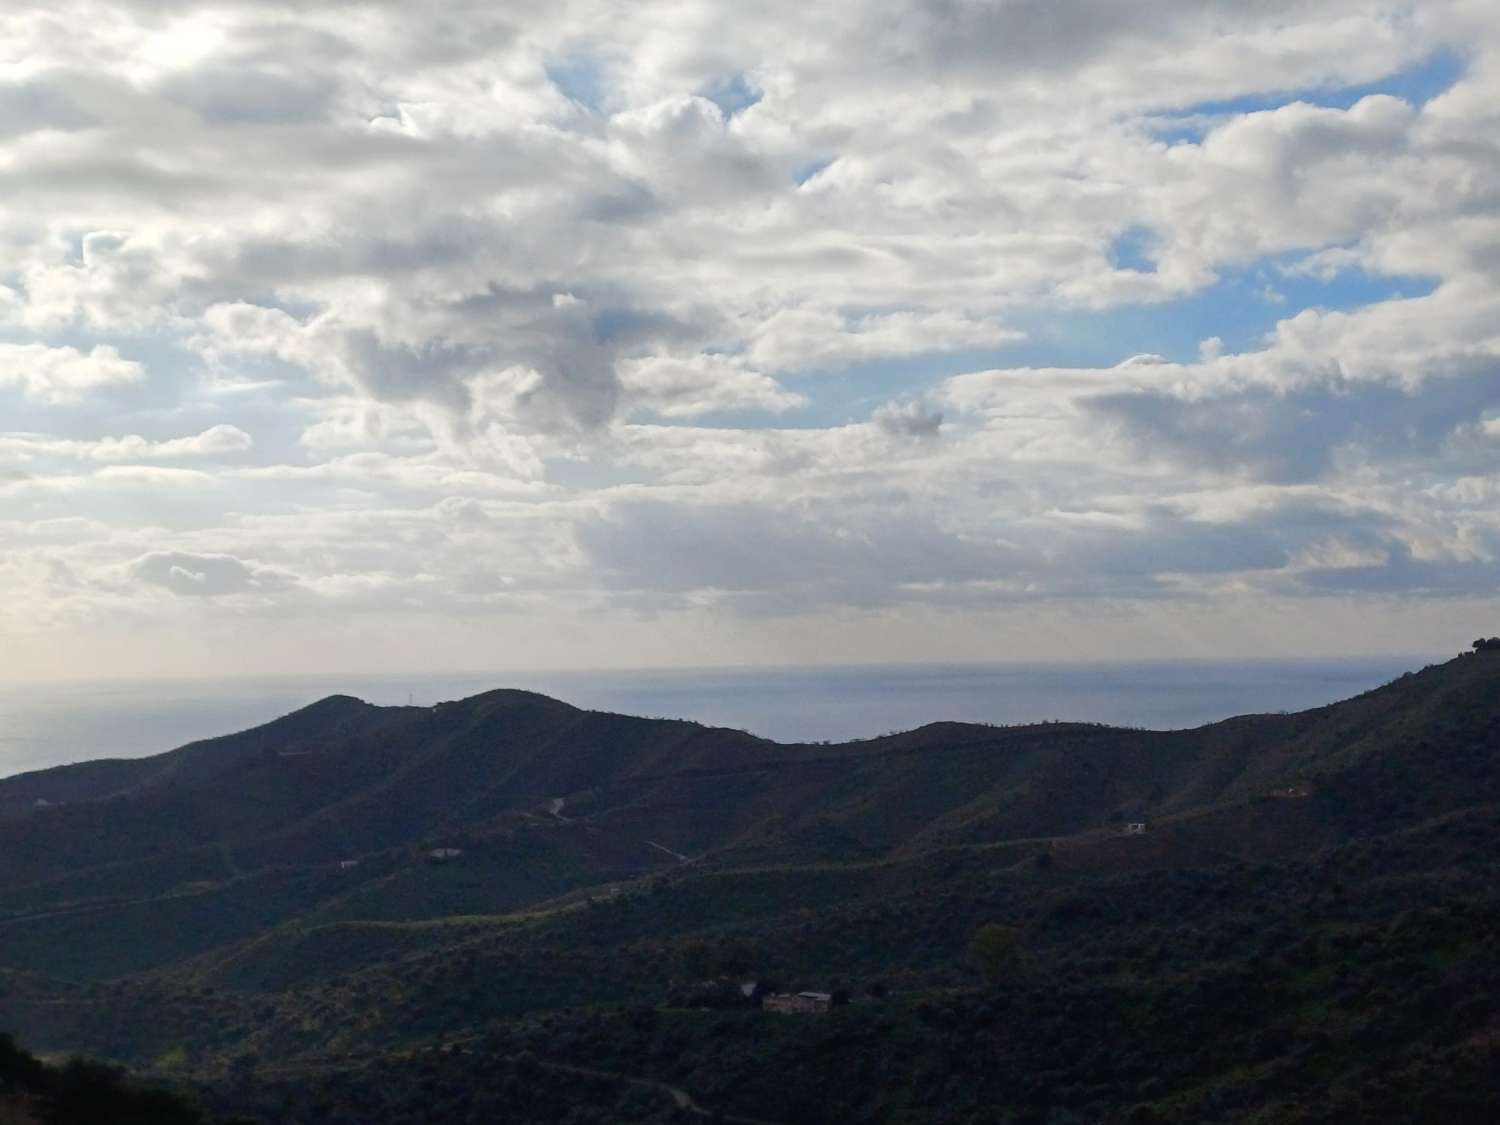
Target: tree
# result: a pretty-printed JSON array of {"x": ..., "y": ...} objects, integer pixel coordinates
[
  {"x": 994, "y": 949},
  {"x": 1487, "y": 644},
  {"x": 696, "y": 960},
  {"x": 700, "y": 959}
]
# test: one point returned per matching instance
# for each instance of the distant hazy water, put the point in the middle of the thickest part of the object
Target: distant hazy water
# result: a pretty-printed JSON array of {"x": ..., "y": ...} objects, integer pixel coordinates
[{"x": 44, "y": 725}]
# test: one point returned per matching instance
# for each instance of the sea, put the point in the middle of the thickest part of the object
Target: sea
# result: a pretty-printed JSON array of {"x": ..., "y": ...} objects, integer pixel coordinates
[{"x": 52, "y": 724}]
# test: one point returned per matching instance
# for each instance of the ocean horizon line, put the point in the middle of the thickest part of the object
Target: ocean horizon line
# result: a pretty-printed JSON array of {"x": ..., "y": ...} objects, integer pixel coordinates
[{"x": 61, "y": 722}]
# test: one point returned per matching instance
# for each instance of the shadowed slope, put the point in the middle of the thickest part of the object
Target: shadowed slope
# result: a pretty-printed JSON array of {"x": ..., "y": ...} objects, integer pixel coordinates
[{"x": 247, "y": 832}]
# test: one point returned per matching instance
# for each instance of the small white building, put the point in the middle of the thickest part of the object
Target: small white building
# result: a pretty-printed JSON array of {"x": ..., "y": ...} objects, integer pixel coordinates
[
  {"x": 348, "y": 864},
  {"x": 799, "y": 1003},
  {"x": 1135, "y": 828},
  {"x": 444, "y": 854}
]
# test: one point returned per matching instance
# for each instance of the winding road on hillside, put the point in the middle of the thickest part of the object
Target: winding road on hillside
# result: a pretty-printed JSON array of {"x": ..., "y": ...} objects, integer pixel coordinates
[
  {"x": 680, "y": 1097},
  {"x": 112, "y": 904}
]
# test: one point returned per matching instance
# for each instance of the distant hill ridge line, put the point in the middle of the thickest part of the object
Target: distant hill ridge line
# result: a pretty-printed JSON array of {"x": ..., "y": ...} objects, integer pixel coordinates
[
  {"x": 332, "y": 812},
  {"x": 343, "y": 705},
  {"x": 170, "y": 759},
  {"x": 125, "y": 776},
  {"x": 981, "y": 731}
]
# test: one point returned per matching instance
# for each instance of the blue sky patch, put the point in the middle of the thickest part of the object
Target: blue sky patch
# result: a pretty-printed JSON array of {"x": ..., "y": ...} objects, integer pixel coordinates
[
  {"x": 807, "y": 171},
  {"x": 1241, "y": 309},
  {"x": 732, "y": 95},
  {"x": 1132, "y": 250},
  {"x": 1417, "y": 84},
  {"x": 581, "y": 78}
]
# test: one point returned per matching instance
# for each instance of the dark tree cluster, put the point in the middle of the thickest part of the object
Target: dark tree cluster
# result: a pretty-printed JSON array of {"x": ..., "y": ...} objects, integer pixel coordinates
[
  {"x": 456, "y": 1086},
  {"x": 81, "y": 1092}
]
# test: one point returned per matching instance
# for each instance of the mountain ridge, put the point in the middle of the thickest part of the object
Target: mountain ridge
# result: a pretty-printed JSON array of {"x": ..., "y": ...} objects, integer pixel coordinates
[
  {"x": 350, "y": 878},
  {"x": 342, "y": 780}
]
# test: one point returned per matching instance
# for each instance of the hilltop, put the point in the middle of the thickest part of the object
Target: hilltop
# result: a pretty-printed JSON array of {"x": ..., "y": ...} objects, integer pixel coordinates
[{"x": 350, "y": 880}]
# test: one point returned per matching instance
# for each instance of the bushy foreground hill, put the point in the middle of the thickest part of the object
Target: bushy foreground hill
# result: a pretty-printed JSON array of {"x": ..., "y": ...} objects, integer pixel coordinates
[
  {"x": 1304, "y": 928},
  {"x": 80, "y": 1092}
]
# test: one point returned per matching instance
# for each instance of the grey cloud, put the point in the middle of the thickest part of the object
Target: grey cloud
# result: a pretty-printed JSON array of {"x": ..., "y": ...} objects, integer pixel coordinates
[
  {"x": 909, "y": 419},
  {"x": 782, "y": 560},
  {"x": 428, "y": 244},
  {"x": 1043, "y": 35},
  {"x": 438, "y": 349},
  {"x": 39, "y": 103},
  {"x": 248, "y": 95},
  {"x": 1113, "y": 558},
  {"x": 1298, "y": 435},
  {"x": 277, "y": 43},
  {"x": 462, "y": 510},
  {"x": 572, "y": 349},
  {"x": 396, "y": 373},
  {"x": 770, "y": 559},
  {"x": 1402, "y": 572},
  {"x": 111, "y": 176},
  {"x": 193, "y": 575},
  {"x": 1173, "y": 546},
  {"x": 626, "y": 327},
  {"x": 572, "y": 341},
  {"x": 630, "y": 203}
]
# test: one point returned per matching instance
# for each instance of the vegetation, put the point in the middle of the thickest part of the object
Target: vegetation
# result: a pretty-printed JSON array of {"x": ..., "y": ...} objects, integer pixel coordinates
[
  {"x": 80, "y": 1092},
  {"x": 1305, "y": 933},
  {"x": 994, "y": 950}
]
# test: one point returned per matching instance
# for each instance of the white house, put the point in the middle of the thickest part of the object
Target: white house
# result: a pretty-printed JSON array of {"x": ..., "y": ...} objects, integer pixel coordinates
[{"x": 799, "y": 1003}]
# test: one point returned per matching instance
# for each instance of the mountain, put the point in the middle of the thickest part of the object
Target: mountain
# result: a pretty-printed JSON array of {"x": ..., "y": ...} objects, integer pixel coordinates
[{"x": 351, "y": 879}]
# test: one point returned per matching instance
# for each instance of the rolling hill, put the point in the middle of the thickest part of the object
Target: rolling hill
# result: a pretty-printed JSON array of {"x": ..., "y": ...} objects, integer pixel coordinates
[{"x": 352, "y": 879}]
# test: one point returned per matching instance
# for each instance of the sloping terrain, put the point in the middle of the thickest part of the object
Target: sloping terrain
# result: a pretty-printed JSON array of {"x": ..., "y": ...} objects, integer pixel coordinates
[{"x": 352, "y": 879}]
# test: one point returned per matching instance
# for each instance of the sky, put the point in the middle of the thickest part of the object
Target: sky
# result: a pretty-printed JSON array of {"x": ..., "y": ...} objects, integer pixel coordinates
[{"x": 482, "y": 335}]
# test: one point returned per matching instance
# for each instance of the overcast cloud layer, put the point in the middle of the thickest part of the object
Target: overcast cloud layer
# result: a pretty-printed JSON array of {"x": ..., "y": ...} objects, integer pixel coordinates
[{"x": 476, "y": 335}]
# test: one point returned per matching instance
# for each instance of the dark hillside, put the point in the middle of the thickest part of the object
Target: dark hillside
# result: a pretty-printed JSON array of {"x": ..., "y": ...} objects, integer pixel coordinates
[
  {"x": 318, "y": 724},
  {"x": 1251, "y": 921},
  {"x": 80, "y": 1092},
  {"x": 545, "y": 798}
]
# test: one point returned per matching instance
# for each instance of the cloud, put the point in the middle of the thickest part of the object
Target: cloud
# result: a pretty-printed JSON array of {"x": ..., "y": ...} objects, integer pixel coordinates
[
  {"x": 250, "y": 95},
  {"x": 1301, "y": 434},
  {"x": 119, "y": 282},
  {"x": 765, "y": 559},
  {"x": 64, "y": 374},
  {"x": 725, "y": 315},
  {"x": 807, "y": 339},
  {"x": 697, "y": 385},
  {"x": 908, "y": 419},
  {"x": 40, "y": 102},
  {"x": 191, "y": 575},
  {"x": 155, "y": 475},
  {"x": 216, "y": 441}
]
